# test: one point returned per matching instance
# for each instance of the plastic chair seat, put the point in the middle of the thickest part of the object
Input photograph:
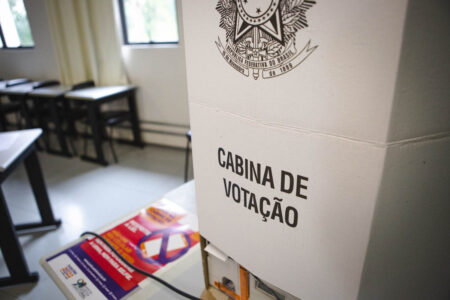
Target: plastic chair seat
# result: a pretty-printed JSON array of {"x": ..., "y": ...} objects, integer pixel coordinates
[{"x": 112, "y": 118}]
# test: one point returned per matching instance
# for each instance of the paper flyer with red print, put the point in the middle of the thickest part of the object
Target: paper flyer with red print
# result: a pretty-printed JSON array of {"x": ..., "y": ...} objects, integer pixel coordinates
[{"x": 153, "y": 238}]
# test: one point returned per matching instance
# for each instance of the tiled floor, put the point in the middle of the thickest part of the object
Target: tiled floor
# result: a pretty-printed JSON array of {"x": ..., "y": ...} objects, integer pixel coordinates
[{"x": 86, "y": 196}]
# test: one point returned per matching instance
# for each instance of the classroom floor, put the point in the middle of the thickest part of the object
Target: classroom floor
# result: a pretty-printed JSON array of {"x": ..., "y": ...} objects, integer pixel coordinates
[{"x": 86, "y": 197}]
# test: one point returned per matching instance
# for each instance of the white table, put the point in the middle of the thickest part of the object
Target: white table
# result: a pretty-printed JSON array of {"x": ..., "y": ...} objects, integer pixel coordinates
[
  {"x": 96, "y": 96},
  {"x": 17, "y": 147},
  {"x": 18, "y": 90},
  {"x": 100, "y": 92},
  {"x": 52, "y": 95},
  {"x": 13, "y": 144},
  {"x": 4, "y": 85},
  {"x": 51, "y": 91},
  {"x": 13, "y": 82},
  {"x": 186, "y": 273},
  {"x": 19, "y": 93}
]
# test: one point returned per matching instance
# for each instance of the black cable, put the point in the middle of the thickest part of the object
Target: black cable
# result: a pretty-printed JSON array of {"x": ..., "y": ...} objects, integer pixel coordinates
[
  {"x": 270, "y": 290},
  {"x": 163, "y": 282}
]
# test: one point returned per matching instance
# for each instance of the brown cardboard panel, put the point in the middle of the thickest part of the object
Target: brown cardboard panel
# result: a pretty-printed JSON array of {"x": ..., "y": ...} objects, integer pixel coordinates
[
  {"x": 203, "y": 244},
  {"x": 213, "y": 294}
]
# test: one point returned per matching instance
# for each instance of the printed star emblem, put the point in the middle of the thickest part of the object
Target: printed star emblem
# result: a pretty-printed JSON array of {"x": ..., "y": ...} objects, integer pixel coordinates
[{"x": 262, "y": 14}]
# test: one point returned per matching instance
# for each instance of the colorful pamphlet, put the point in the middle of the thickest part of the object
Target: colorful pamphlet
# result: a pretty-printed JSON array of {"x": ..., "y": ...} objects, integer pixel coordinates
[{"x": 151, "y": 239}]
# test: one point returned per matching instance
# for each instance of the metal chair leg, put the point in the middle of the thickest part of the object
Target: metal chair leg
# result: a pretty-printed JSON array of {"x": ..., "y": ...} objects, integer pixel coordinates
[
  {"x": 111, "y": 145},
  {"x": 3, "y": 126},
  {"x": 186, "y": 163},
  {"x": 69, "y": 138},
  {"x": 18, "y": 120},
  {"x": 46, "y": 138},
  {"x": 85, "y": 139},
  {"x": 46, "y": 135},
  {"x": 72, "y": 146}
]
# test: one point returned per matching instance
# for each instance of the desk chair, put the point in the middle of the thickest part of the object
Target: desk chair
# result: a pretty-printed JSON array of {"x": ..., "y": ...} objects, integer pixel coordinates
[
  {"x": 71, "y": 112},
  {"x": 37, "y": 111},
  {"x": 76, "y": 111},
  {"x": 31, "y": 113},
  {"x": 98, "y": 120},
  {"x": 10, "y": 107},
  {"x": 186, "y": 162},
  {"x": 56, "y": 110},
  {"x": 109, "y": 119}
]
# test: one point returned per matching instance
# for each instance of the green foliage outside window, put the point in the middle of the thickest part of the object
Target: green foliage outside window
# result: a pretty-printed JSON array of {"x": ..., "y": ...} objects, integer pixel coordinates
[
  {"x": 150, "y": 21},
  {"x": 22, "y": 26}
]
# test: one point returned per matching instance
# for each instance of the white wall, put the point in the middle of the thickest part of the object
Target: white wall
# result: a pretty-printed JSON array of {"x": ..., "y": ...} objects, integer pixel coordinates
[
  {"x": 160, "y": 73},
  {"x": 421, "y": 99},
  {"x": 37, "y": 63}
]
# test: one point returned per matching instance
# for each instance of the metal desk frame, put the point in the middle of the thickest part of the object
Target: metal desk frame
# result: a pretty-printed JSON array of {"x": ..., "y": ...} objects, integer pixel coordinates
[
  {"x": 61, "y": 137},
  {"x": 9, "y": 242},
  {"x": 97, "y": 126}
]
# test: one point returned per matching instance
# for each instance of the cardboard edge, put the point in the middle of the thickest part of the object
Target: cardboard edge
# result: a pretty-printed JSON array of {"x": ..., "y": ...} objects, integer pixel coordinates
[
  {"x": 203, "y": 244},
  {"x": 213, "y": 294},
  {"x": 55, "y": 279},
  {"x": 210, "y": 292}
]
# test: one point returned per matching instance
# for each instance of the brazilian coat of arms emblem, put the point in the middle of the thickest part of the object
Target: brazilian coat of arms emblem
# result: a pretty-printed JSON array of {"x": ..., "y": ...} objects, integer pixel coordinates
[{"x": 261, "y": 35}]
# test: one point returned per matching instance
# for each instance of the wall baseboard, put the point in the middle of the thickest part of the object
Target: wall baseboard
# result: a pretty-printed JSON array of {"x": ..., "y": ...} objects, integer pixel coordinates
[
  {"x": 152, "y": 133},
  {"x": 157, "y": 133}
]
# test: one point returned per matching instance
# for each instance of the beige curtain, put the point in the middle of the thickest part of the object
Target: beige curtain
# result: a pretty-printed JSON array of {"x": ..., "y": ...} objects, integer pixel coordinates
[{"x": 86, "y": 41}]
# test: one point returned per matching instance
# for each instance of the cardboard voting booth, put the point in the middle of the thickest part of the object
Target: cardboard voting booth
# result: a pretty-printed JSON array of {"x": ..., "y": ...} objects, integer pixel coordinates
[{"x": 321, "y": 142}]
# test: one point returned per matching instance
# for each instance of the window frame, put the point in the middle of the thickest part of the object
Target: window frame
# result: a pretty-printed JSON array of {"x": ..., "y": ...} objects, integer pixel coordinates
[
  {"x": 123, "y": 24},
  {"x": 4, "y": 46}
]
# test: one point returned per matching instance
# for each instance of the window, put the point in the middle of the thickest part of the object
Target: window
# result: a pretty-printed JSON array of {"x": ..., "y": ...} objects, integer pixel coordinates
[
  {"x": 15, "y": 30},
  {"x": 149, "y": 21}
]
